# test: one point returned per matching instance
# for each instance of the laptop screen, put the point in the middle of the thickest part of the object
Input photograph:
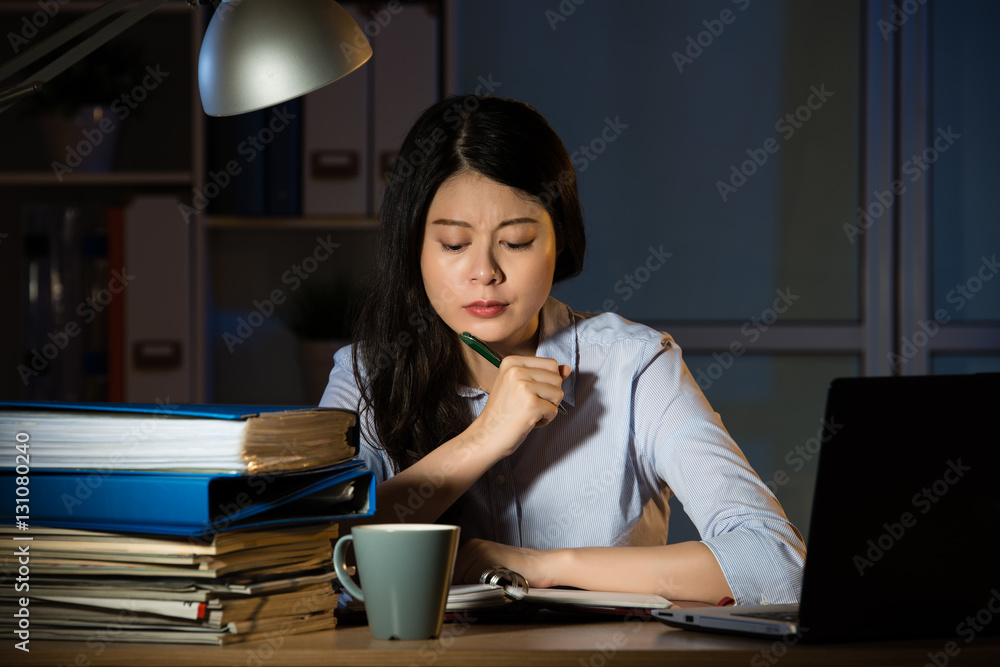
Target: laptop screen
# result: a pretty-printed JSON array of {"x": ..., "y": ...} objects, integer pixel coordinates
[{"x": 906, "y": 510}]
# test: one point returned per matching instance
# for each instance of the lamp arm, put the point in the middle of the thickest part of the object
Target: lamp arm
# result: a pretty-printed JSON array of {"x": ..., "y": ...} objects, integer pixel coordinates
[
  {"x": 75, "y": 54},
  {"x": 56, "y": 40},
  {"x": 8, "y": 96}
]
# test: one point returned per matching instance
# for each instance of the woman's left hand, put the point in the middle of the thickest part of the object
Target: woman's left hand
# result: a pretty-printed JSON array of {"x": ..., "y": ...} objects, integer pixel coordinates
[{"x": 476, "y": 555}]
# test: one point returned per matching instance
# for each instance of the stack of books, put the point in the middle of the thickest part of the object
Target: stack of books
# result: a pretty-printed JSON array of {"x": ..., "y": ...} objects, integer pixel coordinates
[{"x": 201, "y": 524}]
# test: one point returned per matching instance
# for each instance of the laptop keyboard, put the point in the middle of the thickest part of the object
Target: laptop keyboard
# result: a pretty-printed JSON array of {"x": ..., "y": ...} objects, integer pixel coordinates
[{"x": 788, "y": 616}]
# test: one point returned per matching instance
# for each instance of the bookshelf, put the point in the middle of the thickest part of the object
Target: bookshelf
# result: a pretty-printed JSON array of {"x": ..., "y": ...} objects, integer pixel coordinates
[
  {"x": 158, "y": 155},
  {"x": 199, "y": 266},
  {"x": 350, "y": 132}
]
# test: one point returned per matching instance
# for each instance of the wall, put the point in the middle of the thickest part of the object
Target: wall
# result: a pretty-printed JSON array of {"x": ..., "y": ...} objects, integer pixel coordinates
[
  {"x": 686, "y": 114},
  {"x": 683, "y": 128}
]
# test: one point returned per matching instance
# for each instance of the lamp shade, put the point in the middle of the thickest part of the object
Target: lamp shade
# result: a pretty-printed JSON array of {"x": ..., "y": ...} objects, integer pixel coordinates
[{"x": 258, "y": 53}]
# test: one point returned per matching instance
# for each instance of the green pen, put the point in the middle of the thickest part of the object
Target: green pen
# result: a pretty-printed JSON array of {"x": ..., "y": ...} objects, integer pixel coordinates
[{"x": 489, "y": 355}]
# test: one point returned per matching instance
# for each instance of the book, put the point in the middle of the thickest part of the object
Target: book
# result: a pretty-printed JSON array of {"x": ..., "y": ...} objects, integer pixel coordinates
[
  {"x": 184, "y": 589},
  {"x": 500, "y": 588},
  {"x": 126, "y": 630},
  {"x": 159, "y": 318},
  {"x": 61, "y": 621},
  {"x": 116, "y": 356},
  {"x": 269, "y": 182},
  {"x": 284, "y": 559},
  {"x": 283, "y": 161},
  {"x": 216, "y": 612},
  {"x": 58, "y": 540},
  {"x": 463, "y": 597},
  {"x": 294, "y": 549},
  {"x": 57, "y": 325},
  {"x": 256, "y": 581},
  {"x": 197, "y": 505},
  {"x": 73, "y": 315},
  {"x": 190, "y": 438}
]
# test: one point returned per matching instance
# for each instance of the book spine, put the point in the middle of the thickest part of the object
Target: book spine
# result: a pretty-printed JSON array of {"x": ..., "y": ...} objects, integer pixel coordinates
[
  {"x": 110, "y": 500},
  {"x": 283, "y": 161},
  {"x": 116, "y": 309},
  {"x": 191, "y": 504},
  {"x": 93, "y": 308},
  {"x": 53, "y": 349}
]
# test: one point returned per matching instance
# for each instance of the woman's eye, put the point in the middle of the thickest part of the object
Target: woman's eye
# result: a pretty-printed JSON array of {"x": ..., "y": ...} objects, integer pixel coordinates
[
  {"x": 451, "y": 248},
  {"x": 519, "y": 246}
]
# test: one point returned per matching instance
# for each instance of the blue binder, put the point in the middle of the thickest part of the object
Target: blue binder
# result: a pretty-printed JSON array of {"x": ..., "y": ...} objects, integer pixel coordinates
[
  {"x": 189, "y": 504},
  {"x": 205, "y": 410},
  {"x": 181, "y": 503}
]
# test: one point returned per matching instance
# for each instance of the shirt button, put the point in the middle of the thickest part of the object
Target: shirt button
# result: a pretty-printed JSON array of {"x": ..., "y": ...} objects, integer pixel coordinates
[{"x": 500, "y": 479}]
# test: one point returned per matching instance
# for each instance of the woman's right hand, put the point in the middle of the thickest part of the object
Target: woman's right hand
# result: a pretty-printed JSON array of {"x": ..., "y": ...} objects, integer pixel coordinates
[{"x": 525, "y": 395}]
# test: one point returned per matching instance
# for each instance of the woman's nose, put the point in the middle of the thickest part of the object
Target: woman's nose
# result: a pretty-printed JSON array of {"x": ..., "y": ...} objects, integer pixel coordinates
[{"x": 485, "y": 269}]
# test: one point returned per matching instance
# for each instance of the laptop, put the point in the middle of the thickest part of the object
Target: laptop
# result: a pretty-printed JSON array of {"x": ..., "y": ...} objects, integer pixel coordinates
[{"x": 905, "y": 518}]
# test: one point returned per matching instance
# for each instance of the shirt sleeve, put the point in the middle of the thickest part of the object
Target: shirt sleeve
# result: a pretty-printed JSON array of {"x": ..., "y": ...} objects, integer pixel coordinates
[
  {"x": 761, "y": 554},
  {"x": 342, "y": 392}
]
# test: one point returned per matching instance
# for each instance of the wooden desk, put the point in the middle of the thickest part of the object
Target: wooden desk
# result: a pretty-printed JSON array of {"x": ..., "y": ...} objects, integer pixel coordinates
[{"x": 548, "y": 641}]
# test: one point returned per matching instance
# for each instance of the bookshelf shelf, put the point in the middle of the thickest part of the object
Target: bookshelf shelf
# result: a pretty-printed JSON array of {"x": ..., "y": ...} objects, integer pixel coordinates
[
  {"x": 329, "y": 223},
  {"x": 80, "y": 6},
  {"x": 111, "y": 178}
]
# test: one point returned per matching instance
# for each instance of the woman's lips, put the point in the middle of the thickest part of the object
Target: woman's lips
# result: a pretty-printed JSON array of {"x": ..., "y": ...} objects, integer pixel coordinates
[{"x": 485, "y": 308}]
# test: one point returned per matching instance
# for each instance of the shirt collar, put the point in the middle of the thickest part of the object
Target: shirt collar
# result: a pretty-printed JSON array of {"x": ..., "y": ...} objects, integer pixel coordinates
[{"x": 556, "y": 340}]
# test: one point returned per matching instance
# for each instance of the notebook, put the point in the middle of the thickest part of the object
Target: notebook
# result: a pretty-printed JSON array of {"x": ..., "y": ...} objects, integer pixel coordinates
[
  {"x": 905, "y": 518},
  {"x": 500, "y": 587}
]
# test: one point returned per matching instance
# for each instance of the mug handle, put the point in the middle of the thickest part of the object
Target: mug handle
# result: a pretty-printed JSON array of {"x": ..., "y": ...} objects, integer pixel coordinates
[{"x": 340, "y": 567}]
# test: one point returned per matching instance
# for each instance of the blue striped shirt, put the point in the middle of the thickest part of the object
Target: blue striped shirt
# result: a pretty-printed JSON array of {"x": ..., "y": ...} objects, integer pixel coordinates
[{"x": 639, "y": 429}]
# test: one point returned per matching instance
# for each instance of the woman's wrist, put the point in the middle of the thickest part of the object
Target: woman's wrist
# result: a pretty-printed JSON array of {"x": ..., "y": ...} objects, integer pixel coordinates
[
  {"x": 477, "y": 444},
  {"x": 558, "y": 566},
  {"x": 486, "y": 437}
]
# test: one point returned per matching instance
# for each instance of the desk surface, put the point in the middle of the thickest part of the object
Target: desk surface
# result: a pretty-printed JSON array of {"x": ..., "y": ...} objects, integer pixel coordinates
[{"x": 544, "y": 642}]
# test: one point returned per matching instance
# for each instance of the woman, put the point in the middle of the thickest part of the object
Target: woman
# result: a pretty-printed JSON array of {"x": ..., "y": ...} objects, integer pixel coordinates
[{"x": 480, "y": 217}]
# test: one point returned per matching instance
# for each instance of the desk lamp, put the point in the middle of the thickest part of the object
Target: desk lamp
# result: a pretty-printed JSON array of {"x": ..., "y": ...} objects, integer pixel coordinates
[{"x": 256, "y": 53}]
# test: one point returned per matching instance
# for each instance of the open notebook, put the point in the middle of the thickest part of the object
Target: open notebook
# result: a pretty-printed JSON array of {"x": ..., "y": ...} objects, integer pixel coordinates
[
  {"x": 501, "y": 587},
  {"x": 905, "y": 503}
]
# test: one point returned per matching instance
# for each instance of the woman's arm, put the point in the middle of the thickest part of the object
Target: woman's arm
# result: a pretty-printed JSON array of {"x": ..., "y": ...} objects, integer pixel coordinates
[
  {"x": 738, "y": 518},
  {"x": 422, "y": 492},
  {"x": 684, "y": 571},
  {"x": 524, "y": 396}
]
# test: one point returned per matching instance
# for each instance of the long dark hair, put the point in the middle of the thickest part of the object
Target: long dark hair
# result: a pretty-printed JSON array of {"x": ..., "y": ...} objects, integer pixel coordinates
[{"x": 407, "y": 362}]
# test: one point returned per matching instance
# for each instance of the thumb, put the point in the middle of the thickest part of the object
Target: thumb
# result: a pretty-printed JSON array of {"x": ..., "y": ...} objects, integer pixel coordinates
[{"x": 565, "y": 371}]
